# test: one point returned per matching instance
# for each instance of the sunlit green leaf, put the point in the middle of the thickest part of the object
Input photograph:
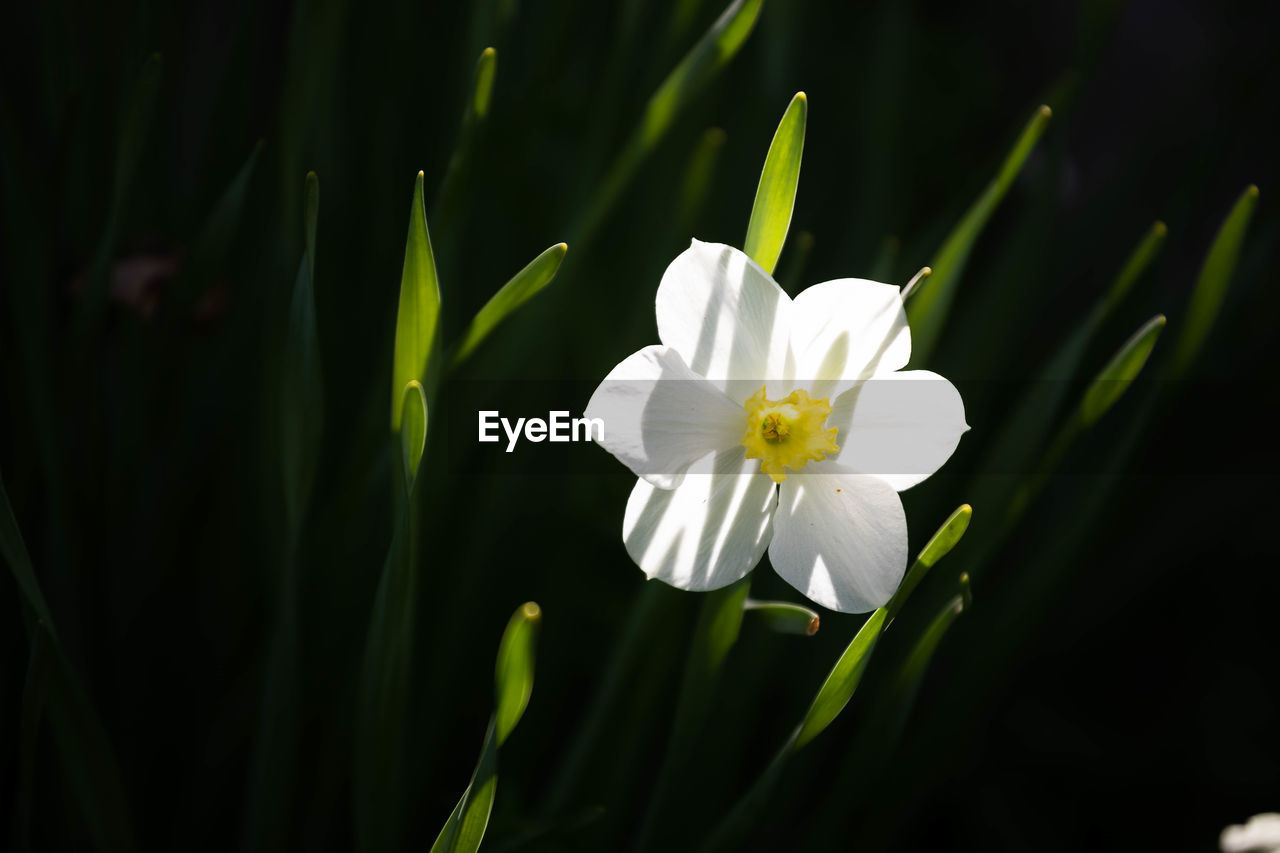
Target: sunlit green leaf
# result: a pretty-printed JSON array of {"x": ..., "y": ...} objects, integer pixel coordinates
[
  {"x": 419, "y": 313},
  {"x": 514, "y": 670},
  {"x": 486, "y": 68},
  {"x": 465, "y": 828},
  {"x": 446, "y": 209},
  {"x": 939, "y": 545},
  {"x": 1116, "y": 375},
  {"x": 776, "y": 192},
  {"x": 413, "y": 431},
  {"x": 513, "y": 676},
  {"x": 1215, "y": 277},
  {"x": 520, "y": 289},
  {"x": 843, "y": 680},
  {"x": 712, "y": 52},
  {"x": 784, "y": 617},
  {"x": 928, "y": 310}
]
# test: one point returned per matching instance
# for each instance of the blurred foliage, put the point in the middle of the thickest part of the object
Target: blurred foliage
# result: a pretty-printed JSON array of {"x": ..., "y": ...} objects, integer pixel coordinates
[{"x": 153, "y": 164}]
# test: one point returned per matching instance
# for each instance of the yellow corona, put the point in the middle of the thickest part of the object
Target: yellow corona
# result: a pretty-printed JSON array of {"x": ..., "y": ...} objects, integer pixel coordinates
[{"x": 788, "y": 433}]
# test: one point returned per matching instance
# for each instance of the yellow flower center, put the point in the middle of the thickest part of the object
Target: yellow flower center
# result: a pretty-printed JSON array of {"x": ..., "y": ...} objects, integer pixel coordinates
[{"x": 788, "y": 433}]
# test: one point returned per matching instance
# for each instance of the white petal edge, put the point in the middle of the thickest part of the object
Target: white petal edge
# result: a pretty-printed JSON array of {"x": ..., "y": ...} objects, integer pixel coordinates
[
  {"x": 845, "y": 330},
  {"x": 726, "y": 317},
  {"x": 840, "y": 538},
  {"x": 901, "y": 427},
  {"x": 709, "y": 531}
]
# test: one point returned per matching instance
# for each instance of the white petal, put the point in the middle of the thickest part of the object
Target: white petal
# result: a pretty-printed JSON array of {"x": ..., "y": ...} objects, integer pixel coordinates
[
  {"x": 845, "y": 330},
  {"x": 1262, "y": 832},
  {"x": 840, "y": 538},
  {"x": 725, "y": 316},
  {"x": 901, "y": 427},
  {"x": 660, "y": 417},
  {"x": 709, "y": 531}
]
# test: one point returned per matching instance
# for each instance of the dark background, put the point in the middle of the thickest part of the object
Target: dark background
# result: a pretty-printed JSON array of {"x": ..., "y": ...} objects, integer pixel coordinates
[{"x": 1113, "y": 686}]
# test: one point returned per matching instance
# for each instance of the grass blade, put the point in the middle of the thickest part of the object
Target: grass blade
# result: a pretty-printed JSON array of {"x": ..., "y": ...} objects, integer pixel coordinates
[
  {"x": 1107, "y": 387},
  {"x": 928, "y": 310},
  {"x": 776, "y": 192},
  {"x": 513, "y": 675},
  {"x": 784, "y": 617},
  {"x": 1117, "y": 374},
  {"x": 939, "y": 545},
  {"x": 1215, "y": 277},
  {"x": 719, "y": 622},
  {"x": 718, "y": 45},
  {"x": 843, "y": 680},
  {"x": 523, "y": 286},
  {"x": 444, "y": 211},
  {"x": 418, "y": 317},
  {"x": 413, "y": 432}
]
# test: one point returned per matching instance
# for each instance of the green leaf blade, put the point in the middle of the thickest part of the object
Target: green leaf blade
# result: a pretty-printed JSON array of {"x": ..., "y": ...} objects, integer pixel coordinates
[
  {"x": 1118, "y": 373},
  {"x": 413, "y": 432},
  {"x": 464, "y": 830},
  {"x": 776, "y": 193},
  {"x": 713, "y": 51},
  {"x": 929, "y": 309},
  {"x": 513, "y": 673},
  {"x": 486, "y": 70},
  {"x": 418, "y": 317},
  {"x": 843, "y": 680},
  {"x": 939, "y": 545},
  {"x": 522, "y": 287},
  {"x": 1214, "y": 281}
]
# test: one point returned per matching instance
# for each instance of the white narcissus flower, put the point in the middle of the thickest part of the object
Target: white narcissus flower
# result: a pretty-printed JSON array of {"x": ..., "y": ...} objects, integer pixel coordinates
[
  {"x": 766, "y": 422},
  {"x": 1260, "y": 835}
]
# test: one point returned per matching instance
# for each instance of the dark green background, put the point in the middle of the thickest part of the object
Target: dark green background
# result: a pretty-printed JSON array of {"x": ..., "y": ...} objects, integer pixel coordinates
[{"x": 1130, "y": 703}]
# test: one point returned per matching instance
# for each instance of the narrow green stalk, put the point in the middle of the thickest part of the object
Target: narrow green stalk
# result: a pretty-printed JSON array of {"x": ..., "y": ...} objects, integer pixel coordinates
[{"x": 718, "y": 625}]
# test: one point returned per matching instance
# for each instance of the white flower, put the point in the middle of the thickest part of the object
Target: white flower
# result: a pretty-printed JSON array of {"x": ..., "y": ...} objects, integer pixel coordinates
[
  {"x": 763, "y": 421},
  {"x": 1260, "y": 835}
]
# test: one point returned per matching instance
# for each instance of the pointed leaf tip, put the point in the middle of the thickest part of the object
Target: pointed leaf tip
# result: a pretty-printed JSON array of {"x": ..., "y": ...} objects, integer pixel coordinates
[
  {"x": 513, "y": 673},
  {"x": 1118, "y": 373},
  {"x": 1214, "y": 281},
  {"x": 486, "y": 69},
  {"x": 776, "y": 193},
  {"x": 417, "y": 318},
  {"x": 522, "y": 287},
  {"x": 939, "y": 545}
]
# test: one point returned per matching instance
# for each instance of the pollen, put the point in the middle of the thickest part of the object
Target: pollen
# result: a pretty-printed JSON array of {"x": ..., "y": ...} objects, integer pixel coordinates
[{"x": 788, "y": 433}]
